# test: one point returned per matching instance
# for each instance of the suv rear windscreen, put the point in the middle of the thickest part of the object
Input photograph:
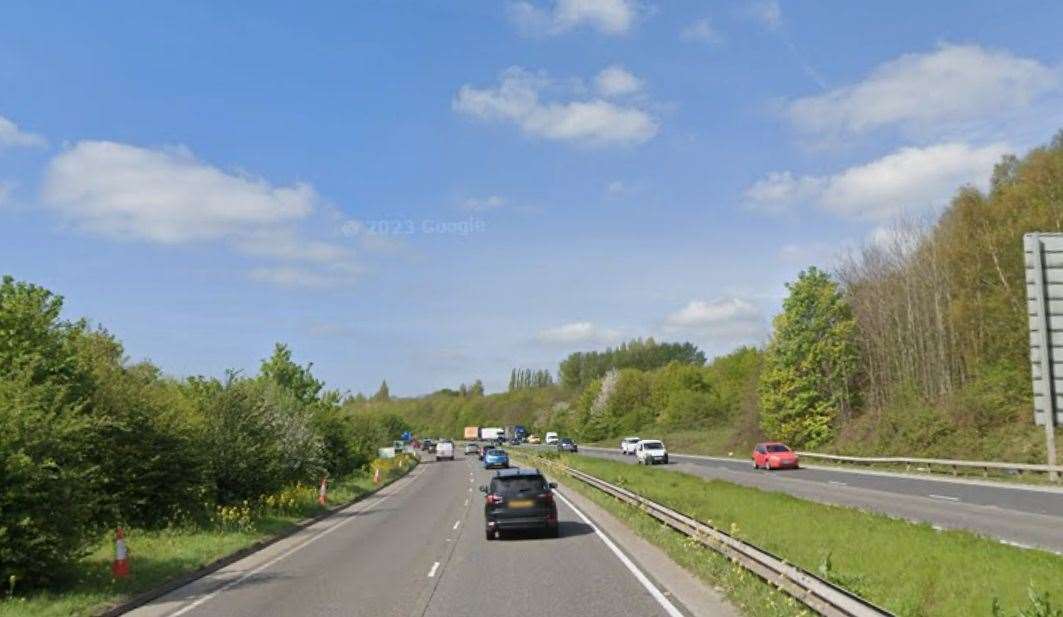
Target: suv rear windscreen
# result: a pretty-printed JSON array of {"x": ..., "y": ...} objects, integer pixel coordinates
[{"x": 519, "y": 486}]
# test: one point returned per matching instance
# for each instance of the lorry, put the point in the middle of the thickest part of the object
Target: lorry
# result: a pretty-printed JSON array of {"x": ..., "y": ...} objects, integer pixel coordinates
[
  {"x": 516, "y": 433},
  {"x": 492, "y": 433},
  {"x": 472, "y": 433}
]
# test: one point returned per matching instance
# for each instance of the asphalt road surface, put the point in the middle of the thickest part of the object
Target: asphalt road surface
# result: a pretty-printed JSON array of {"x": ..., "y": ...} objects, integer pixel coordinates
[
  {"x": 417, "y": 548},
  {"x": 1027, "y": 516}
]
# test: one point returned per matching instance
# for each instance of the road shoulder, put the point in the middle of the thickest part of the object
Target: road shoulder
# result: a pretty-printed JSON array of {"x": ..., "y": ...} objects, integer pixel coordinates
[{"x": 679, "y": 585}]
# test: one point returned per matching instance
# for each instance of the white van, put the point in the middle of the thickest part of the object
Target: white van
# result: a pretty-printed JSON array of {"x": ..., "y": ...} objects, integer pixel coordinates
[
  {"x": 650, "y": 452},
  {"x": 445, "y": 450},
  {"x": 627, "y": 444},
  {"x": 551, "y": 439}
]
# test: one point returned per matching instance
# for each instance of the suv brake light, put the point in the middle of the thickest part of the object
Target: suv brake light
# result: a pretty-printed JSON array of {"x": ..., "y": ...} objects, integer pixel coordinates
[
  {"x": 547, "y": 497},
  {"x": 494, "y": 499}
]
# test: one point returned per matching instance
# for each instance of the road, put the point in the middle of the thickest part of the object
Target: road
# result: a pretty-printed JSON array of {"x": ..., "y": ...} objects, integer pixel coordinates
[
  {"x": 1026, "y": 516},
  {"x": 417, "y": 548}
]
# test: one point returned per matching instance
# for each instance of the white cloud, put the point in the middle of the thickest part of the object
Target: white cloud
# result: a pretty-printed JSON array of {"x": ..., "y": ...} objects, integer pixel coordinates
[
  {"x": 950, "y": 84},
  {"x": 607, "y": 16},
  {"x": 701, "y": 31},
  {"x": 724, "y": 321},
  {"x": 297, "y": 277},
  {"x": 767, "y": 12},
  {"x": 286, "y": 245},
  {"x": 483, "y": 204},
  {"x": 517, "y": 99},
  {"x": 780, "y": 190},
  {"x": 908, "y": 181},
  {"x": 167, "y": 196},
  {"x": 617, "y": 81},
  {"x": 12, "y": 137},
  {"x": 163, "y": 195},
  {"x": 577, "y": 332}
]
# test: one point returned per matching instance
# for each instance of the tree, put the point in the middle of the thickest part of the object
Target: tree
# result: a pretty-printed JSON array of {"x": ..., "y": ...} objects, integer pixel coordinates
[
  {"x": 581, "y": 368},
  {"x": 53, "y": 502},
  {"x": 383, "y": 394},
  {"x": 298, "y": 380},
  {"x": 810, "y": 364}
]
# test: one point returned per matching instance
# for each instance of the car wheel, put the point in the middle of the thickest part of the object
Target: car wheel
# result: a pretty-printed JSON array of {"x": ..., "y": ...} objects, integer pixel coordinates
[
  {"x": 553, "y": 532},
  {"x": 755, "y": 466},
  {"x": 490, "y": 535},
  {"x": 767, "y": 465}
]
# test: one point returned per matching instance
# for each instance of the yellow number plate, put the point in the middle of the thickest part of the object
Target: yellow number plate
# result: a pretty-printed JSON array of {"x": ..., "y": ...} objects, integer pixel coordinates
[{"x": 520, "y": 503}]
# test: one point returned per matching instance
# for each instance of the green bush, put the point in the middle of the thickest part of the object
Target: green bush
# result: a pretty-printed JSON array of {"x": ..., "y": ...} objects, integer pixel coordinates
[
  {"x": 52, "y": 499},
  {"x": 257, "y": 440}
]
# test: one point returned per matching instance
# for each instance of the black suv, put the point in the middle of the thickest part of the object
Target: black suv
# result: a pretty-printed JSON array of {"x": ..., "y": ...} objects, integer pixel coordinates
[
  {"x": 567, "y": 445},
  {"x": 519, "y": 499}
]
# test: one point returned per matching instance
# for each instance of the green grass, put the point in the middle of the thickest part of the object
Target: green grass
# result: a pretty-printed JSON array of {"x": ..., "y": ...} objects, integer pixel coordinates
[
  {"x": 911, "y": 569},
  {"x": 159, "y": 556}
]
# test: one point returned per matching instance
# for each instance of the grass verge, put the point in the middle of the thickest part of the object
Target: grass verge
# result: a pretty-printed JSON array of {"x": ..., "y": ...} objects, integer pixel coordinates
[
  {"x": 158, "y": 556},
  {"x": 911, "y": 569}
]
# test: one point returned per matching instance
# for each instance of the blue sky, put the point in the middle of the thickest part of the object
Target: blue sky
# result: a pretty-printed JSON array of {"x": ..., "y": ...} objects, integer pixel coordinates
[{"x": 433, "y": 193}]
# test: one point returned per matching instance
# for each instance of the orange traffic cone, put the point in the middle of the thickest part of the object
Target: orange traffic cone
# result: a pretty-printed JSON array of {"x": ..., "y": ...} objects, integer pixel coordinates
[
  {"x": 321, "y": 492},
  {"x": 120, "y": 567},
  {"x": 376, "y": 476}
]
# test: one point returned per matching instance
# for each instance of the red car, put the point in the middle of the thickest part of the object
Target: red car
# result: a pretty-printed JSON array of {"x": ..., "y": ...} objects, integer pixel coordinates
[{"x": 774, "y": 455}]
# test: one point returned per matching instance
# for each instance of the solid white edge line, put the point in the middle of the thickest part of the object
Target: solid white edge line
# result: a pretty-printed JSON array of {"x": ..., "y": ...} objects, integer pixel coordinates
[
  {"x": 210, "y": 596},
  {"x": 432, "y": 572},
  {"x": 665, "y": 603}
]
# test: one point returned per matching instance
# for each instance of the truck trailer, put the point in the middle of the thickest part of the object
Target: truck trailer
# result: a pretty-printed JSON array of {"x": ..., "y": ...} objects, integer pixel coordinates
[
  {"x": 492, "y": 433},
  {"x": 472, "y": 433}
]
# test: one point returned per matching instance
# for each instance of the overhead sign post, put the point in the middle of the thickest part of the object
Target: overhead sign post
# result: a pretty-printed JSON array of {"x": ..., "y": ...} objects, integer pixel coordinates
[{"x": 1044, "y": 293}]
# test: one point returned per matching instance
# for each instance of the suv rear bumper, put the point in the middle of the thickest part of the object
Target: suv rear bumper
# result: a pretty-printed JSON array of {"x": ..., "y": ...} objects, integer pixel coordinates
[{"x": 525, "y": 522}]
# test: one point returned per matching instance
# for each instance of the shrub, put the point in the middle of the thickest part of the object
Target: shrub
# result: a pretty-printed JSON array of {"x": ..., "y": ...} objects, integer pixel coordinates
[{"x": 52, "y": 500}]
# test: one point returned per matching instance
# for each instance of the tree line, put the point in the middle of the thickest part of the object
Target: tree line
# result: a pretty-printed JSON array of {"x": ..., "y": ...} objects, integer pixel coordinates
[
  {"x": 527, "y": 378},
  {"x": 582, "y": 368},
  {"x": 90, "y": 441}
]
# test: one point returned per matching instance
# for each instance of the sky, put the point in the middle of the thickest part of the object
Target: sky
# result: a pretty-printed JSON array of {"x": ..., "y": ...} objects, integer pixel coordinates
[{"x": 436, "y": 192}]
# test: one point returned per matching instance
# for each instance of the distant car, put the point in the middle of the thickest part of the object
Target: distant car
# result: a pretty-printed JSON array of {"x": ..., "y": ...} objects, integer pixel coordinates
[
  {"x": 567, "y": 445},
  {"x": 551, "y": 439},
  {"x": 774, "y": 455},
  {"x": 471, "y": 448},
  {"x": 445, "y": 450},
  {"x": 535, "y": 440},
  {"x": 650, "y": 452},
  {"x": 428, "y": 445},
  {"x": 627, "y": 444},
  {"x": 496, "y": 458},
  {"x": 519, "y": 499}
]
